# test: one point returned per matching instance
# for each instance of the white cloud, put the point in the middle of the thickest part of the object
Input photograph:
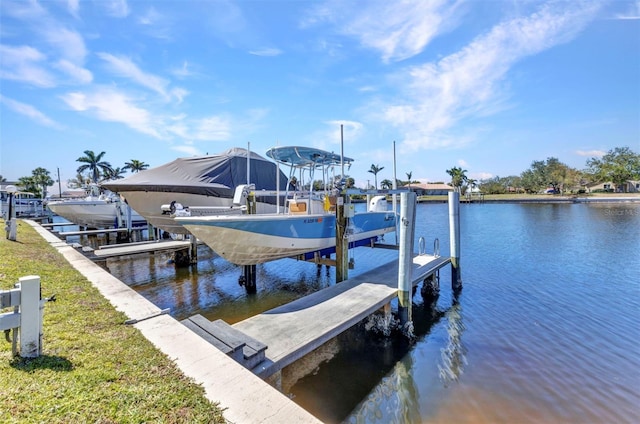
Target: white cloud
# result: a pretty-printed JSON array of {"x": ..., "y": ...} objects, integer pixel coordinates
[
  {"x": 74, "y": 7},
  {"x": 25, "y": 64},
  {"x": 69, "y": 43},
  {"x": 116, "y": 8},
  {"x": 110, "y": 105},
  {"x": 187, "y": 149},
  {"x": 150, "y": 17},
  {"x": 184, "y": 71},
  {"x": 213, "y": 128},
  {"x": 481, "y": 175},
  {"x": 469, "y": 82},
  {"x": 30, "y": 112},
  {"x": 591, "y": 153},
  {"x": 179, "y": 93},
  {"x": 268, "y": 52},
  {"x": 397, "y": 29},
  {"x": 79, "y": 75},
  {"x": 125, "y": 67},
  {"x": 463, "y": 163},
  {"x": 632, "y": 13}
]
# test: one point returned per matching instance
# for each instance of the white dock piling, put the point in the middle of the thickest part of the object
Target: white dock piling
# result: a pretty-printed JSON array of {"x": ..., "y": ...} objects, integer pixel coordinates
[
  {"x": 405, "y": 256},
  {"x": 454, "y": 240}
]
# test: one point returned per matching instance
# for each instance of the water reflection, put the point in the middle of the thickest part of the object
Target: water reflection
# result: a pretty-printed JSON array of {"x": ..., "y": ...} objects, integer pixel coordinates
[
  {"x": 396, "y": 398},
  {"x": 453, "y": 355}
]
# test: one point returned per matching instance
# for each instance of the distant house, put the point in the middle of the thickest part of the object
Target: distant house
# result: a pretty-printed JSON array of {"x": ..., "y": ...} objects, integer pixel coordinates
[
  {"x": 432, "y": 189},
  {"x": 628, "y": 187}
]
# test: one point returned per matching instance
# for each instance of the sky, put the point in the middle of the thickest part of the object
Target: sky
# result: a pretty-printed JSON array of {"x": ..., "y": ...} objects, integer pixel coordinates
[{"x": 489, "y": 86}]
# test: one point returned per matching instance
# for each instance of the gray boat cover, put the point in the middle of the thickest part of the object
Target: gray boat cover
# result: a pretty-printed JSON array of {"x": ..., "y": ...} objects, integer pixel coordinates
[{"x": 212, "y": 175}]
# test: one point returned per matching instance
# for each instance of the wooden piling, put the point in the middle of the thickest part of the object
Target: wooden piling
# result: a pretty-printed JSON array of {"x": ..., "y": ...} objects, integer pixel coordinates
[{"x": 342, "y": 245}]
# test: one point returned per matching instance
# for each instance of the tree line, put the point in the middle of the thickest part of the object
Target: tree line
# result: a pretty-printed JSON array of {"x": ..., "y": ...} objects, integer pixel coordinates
[
  {"x": 618, "y": 166},
  {"x": 94, "y": 169}
]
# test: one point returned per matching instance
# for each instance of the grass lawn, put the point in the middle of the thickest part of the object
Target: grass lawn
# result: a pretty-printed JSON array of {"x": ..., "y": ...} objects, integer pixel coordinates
[{"x": 93, "y": 368}]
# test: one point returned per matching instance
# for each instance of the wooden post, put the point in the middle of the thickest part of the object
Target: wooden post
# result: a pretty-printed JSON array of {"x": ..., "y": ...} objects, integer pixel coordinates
[
  {"x": 193, "y": 250},
  {"x": 405, "y": 257},
  {"x": 454, "y": 240},
  {"x": 342, "y": 245}
]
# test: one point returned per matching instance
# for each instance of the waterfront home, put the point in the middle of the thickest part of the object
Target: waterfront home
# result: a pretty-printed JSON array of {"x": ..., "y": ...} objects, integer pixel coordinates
[{"x": 631, "y": 186}]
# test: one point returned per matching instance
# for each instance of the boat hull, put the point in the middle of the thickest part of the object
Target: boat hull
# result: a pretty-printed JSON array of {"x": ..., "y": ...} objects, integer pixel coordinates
[
  {"x": 253, "y": 239},
  {"x": 149, "y": 205},
  {"x": 95, "y": 213}
]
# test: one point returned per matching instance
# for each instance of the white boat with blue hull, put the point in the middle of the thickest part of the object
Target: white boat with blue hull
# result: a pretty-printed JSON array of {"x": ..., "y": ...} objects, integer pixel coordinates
[
  {"x": 308, "y": 223},
  {"x": 253, "y": 239}
]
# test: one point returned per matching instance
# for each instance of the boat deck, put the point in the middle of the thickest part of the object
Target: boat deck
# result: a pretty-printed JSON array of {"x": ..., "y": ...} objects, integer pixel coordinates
[{"x": 293, "y": 330}]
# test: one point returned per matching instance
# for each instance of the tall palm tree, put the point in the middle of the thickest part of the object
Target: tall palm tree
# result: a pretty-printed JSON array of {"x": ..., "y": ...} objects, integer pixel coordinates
[
  {"x": 374, "y": 170},
  {"x": 458, "y": 177},
  {"x": 135, "y": 165},
  {"x": 94, "y": 164},
  {"x": 409, "y": 175}
]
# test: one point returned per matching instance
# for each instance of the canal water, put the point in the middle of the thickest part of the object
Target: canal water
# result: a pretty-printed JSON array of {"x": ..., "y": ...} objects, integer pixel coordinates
[{"x": 546, "y": 328}]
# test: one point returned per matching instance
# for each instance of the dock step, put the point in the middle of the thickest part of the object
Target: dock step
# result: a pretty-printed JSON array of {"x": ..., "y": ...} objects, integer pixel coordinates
[{"x": 242, "y": 348}]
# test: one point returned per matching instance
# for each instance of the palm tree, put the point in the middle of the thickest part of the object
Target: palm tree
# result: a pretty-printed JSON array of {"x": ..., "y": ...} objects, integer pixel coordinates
[
  {"x": 79, "y": 181},
  {"x": 135, "y": 165},
  {"x": 42, "y": 178},
  {"x": 458, "y": 177},
  {"x": 93, "y": 164},
  {"x": 386, "y": 184},
  {"x": 114, "y": 174},
  {"x": 409, "y": 175},
  {"x": 374, "y": 170}
]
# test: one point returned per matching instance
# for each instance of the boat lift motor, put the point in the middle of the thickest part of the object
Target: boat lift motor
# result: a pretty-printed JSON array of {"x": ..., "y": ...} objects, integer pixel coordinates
[
  {"x": 242, "y": 193},
  {"x": 378, "y": 204}
]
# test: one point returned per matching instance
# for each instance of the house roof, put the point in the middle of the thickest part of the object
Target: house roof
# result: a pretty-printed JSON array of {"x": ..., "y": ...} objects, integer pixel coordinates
[{"x": 432, "y": 186}]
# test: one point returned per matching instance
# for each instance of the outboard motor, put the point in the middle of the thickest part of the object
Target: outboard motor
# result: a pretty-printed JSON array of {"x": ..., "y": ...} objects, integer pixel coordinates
[{"x": 378, "y": 204}]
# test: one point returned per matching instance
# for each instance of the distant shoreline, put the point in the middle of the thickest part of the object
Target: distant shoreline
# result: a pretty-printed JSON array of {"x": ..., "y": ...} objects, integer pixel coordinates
[{"x": 620, "y": 198}]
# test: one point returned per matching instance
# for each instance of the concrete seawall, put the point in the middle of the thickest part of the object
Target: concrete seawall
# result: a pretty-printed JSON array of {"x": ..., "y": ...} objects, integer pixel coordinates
[{"x": 245, "y": 397}]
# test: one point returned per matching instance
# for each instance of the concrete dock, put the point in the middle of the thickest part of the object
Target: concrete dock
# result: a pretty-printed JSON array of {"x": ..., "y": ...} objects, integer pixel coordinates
[{"x": 297, "y": 328}]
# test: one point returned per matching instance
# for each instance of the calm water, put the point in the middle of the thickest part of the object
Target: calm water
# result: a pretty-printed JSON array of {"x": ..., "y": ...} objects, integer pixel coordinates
[{"x": 545, "y": 330}]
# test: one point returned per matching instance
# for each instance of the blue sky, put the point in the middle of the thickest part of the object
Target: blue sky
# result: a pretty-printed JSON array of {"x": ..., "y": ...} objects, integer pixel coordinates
[{"x": 486, "y": 85}]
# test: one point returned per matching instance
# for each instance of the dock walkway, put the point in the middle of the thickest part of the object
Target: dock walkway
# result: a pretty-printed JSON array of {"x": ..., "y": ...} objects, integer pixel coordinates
[
  {"x": 136, "y": 248},
  {"x": 293, "y": 330}
]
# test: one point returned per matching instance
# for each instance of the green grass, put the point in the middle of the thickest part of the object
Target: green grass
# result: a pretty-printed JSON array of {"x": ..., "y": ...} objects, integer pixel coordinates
[{"x": 93, "y": 368}]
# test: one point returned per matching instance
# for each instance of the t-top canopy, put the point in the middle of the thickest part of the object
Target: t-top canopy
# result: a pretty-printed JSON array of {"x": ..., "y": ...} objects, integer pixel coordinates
[{"x": 306, "y": 156}]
